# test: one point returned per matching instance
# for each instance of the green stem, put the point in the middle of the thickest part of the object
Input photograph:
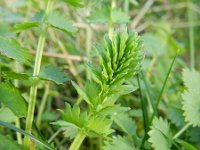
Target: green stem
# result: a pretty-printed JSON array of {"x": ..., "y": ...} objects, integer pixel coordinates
[
  {"x": 19, "y": 136},
  {"x": 36, "y": 70},
  {"x": 191, "y": 14},
  {"x": 163, "y": 87},
  {"x": 144, "y": 107},
  {"x": 17, "y": 120},
  {"x": 77, "y": 141},
  {"x": 181, "y": 131},
  {"x": 55, "y": 134},
  {"x": 110, "y": 23},
  {"x": 42, "y": 104},
  {"x": 126, "y": 6}
]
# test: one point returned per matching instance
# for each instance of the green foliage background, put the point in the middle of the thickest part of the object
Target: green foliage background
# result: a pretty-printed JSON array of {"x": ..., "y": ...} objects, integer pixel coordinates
[{"x": 103, "y": 85}]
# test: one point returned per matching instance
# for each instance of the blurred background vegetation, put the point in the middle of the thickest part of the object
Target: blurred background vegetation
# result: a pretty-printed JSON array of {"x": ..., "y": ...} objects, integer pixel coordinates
[{"x": 165, "y": 26}]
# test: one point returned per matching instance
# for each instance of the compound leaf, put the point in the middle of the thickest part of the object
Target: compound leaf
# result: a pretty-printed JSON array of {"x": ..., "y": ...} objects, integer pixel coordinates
[
  {"x": 12, "y": 49},
  {"x": 12, "y": 99}
]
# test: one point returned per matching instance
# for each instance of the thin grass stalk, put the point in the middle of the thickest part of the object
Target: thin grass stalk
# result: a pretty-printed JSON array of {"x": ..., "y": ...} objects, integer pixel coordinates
[{"x": 36, "y": 71}]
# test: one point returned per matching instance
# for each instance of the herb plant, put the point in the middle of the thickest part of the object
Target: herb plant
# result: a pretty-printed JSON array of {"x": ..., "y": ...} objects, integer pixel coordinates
[{"x": 123, "y": 90}]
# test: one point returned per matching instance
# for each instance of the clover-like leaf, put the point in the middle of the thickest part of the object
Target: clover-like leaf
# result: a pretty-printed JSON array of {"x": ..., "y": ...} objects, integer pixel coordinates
[
  {"x": 191, "y": 96},
  {"x": 160, "y": 135},
  {"x": 12, "y": 99},
  {"x": 57, "y": 20},
  {"x": 53, "y": 73},
  {"x": 119, "y": 143},
  {"x": 12, "y": 49}
]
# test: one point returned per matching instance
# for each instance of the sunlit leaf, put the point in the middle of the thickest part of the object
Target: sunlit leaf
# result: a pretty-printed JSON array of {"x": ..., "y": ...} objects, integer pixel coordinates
[
  {"x": 191, "y": 96},
  {"x": 160, "y": 135}
]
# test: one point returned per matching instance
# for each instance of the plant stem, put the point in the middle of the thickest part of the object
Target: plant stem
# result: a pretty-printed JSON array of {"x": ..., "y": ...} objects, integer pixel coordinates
[
  {"x": 17, "y": 120},
  {"x": 36, "y": 70},
  {"x": 181, "y": 131},
  {"x": 144, "y": 107},
  {"x": 191, "y": 14},
  {"x": 110, "y": 23},
  {"x": 126, "y": 6},
  {"x": 77, "y": 141},
  {"x": 19, "y": 136},
  {"x": 42, "y": 104},
  {"x": 163, "y": 87},
  {"x": 55, "y": 134}
]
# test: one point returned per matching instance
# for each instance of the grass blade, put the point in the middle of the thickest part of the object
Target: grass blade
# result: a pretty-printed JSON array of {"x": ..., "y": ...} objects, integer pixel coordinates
[{"x": 12, "y": 127}]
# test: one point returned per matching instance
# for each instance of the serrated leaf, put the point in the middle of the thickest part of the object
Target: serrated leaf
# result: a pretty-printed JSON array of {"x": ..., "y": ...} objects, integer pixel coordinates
[
  {"x": 12, "y": 99},
  {"x": 53, "y": 73},
  {"x": 176, "y": 116},
  {"x": 7, "y": 115},
  {"x": 160, "y": 135},
  {"x": 12, "y": 49},
  {"x": 57, "y": 20},
  {"x": 191, "y": 96},
  {"x": 100, "y": 125},
  {"x": 25, "y": 25},
  {"x": 119, "y": 143},
  {"x": 70, "y": 129},
  {"x": 99, "y": 15},
  {"x": 72, "y": 116},
  {"x": 14, "y": 75},
  {"x": 112, "y": 110},
  {"x": 125, "y": 123},
  {"x": 117, "y": 16},
  {"x": 8, "y": 144},
  {"x": 76, "y": 3}
]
